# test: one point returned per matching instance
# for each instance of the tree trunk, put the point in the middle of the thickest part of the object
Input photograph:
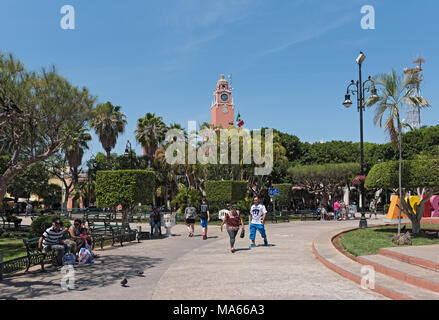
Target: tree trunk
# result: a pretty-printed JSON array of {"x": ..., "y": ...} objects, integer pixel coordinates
[
  {"x": 416, "y": 226},
  {"x": 2, "y": 190},
  {"x": 125, "y": 216},
  {"x": 108, "y": 159}
]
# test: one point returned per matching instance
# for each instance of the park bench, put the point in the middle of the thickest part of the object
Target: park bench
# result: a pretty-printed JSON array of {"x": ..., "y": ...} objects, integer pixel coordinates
[
  {"x": 7, "y": 220},
  {"x": 34, "y": 255},
  {"x": 275, "y": 217},
  {"x": 116, "y": 233},
  {"x": 138, "y": 217},
  {"x": 308, "y": 215},
  {"x": 97, "y": 216}
]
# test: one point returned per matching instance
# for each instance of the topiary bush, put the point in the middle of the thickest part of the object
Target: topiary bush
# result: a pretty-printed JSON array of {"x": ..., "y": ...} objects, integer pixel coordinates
[
  {"x": 225, "y": 191},
  {"x": 41, "y": 223},
  {"x": 124, "y": 187}
]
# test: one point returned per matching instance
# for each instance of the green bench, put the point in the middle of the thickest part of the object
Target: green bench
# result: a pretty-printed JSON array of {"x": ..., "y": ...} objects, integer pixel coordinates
[
  {"x": 115, "y": 233},
  {"x": 275, "y": 217},
  {"x": 308, "y": 215},
  {"x": 34, "y": 255},
  {"x": 8, "y": 219},
  {"x": 97, "y": 216},
  {"x": 138, "y": 217}
]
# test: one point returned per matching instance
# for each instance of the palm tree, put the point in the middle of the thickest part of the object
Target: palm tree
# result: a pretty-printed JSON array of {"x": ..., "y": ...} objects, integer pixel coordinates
[
  {"x": 150, "y": 133},
  {"x": 108, "y": 123},
  {"x": 74, "y": 150},
  {"x": 396, "y": 92}
]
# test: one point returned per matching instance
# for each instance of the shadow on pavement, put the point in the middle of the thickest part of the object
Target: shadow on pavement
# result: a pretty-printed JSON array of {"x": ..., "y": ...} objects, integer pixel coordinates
[{"x": 105, "y": 271}]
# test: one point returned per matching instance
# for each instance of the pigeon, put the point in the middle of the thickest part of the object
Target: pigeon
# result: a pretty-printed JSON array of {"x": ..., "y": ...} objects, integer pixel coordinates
[
  {"x": 140, "y": 273},
  {"x": 124, "y": 282}
]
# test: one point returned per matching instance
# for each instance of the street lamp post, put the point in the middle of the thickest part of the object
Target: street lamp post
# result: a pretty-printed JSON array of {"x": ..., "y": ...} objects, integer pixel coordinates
[
  {"x": 128, "y": 150},
  {"x": 360, "y": 90}
]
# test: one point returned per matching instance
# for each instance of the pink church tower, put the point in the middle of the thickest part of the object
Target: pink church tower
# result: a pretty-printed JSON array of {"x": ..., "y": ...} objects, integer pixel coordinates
[{"x": 222, "y": 109}]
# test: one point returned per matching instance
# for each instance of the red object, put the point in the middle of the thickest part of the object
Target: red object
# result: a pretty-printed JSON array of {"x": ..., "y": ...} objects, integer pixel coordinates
[
  {"x": 240, "y": 123},
  {"x": 427, "y": 209}
]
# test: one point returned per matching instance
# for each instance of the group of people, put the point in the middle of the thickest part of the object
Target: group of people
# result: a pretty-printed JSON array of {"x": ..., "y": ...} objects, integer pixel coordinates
[
  {"x": 340, "y": 210},
  {"x": 65, "y": 240},
  {"x": 233, "y": 221}
]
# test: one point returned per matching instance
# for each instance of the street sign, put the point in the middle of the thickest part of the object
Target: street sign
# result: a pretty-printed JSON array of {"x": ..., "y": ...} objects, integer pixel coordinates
[{"x": 273, "y": 192}]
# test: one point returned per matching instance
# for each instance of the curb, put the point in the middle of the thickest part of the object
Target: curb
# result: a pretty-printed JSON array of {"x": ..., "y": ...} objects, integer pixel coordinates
[{"x": 348, "y": 274}]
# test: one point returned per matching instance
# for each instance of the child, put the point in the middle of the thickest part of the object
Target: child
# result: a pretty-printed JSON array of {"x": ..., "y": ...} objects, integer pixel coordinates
[{"x": 86, "y": 238}]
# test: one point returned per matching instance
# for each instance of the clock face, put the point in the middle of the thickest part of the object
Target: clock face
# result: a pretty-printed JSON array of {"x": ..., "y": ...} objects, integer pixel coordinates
[
  {"x": 225, "y": 109},
  {"x": 224, "y": 97}
]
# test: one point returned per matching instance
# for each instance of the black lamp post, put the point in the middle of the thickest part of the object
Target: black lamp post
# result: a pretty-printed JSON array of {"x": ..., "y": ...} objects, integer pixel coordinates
[
  {"x": 128, "y": 150},
  {"x": 360, "y": 90}
]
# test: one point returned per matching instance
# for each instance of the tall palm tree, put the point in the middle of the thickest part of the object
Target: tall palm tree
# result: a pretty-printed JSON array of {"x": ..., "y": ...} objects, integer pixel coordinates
[
  {"x": 150, "y": 133},
  {"x": 108, "y": 122},
  {"x": 395, "y": 93},
  {"x": 74, "y": 150}
]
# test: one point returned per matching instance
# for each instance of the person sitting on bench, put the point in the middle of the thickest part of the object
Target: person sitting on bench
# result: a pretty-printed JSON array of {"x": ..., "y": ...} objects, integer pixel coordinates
[
  {"x": 51, "y": 240},
  {"x": 11, "y": 218}
]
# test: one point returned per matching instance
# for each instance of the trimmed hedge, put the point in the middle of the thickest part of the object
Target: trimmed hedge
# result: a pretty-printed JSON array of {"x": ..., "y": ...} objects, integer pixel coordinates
[
  {"x": 124, "y": 187},
  {"x": 285, "y": 193},
  {"x": 225, "y": 191},
  {"x": 415, "y": 173}
]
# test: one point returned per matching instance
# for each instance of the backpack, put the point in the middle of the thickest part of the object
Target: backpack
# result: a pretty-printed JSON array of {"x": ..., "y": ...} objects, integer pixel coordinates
[
  {"x": 85, "y": 256},
  {"x": 69, "y": 259}
]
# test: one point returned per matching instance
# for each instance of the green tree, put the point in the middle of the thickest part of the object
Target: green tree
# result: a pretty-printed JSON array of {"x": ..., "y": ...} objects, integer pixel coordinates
[
  {"x": 32, "y": 180},
  {"x": 395, "y": 93},
  {"x": 124, "y": 187},
  {"x": 323, "y": 179},
  {"x": 74, "y": 151},
  {"x": 150, "y": 133},
  {"x": 38, "y": 114},
  {"x": 108, "y": 122}
]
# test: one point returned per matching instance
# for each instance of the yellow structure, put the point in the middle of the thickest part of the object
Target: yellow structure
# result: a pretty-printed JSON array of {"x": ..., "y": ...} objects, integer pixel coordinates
[{"x": 393, "y": 212}]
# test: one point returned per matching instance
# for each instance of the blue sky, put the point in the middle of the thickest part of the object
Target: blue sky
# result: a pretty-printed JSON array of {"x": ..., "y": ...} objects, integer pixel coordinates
[{"x": 291, "y": 60}]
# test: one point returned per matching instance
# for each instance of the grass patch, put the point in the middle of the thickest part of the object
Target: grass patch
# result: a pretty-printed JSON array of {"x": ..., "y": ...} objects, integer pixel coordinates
[
  {"x": 12, "y": 248},
  {"x": 371, "y": 240}
]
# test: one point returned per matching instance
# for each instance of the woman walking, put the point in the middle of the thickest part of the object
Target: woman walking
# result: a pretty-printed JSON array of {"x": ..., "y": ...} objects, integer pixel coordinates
[{"x": 232, "y": 220}]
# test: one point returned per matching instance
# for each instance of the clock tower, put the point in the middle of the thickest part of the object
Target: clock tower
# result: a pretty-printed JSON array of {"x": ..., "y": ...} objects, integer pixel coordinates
[{"x": 222, "y": 110}]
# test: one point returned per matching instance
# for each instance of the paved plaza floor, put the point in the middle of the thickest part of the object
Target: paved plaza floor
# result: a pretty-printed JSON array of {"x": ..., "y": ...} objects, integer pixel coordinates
[{"x": 186, "y": 268}]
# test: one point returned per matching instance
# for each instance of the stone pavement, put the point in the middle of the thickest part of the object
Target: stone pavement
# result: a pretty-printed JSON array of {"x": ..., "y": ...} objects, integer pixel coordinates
[{"x": 190, "y": 268}]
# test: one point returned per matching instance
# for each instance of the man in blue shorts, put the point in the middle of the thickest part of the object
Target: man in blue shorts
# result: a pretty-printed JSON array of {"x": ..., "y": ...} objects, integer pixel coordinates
[
  {"x": 258, "y": 213},
  {"x": 205, "y": 217}
]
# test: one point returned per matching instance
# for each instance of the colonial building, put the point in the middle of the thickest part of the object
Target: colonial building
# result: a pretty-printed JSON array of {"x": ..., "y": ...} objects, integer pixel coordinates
[{"x": 223, "y": 108}]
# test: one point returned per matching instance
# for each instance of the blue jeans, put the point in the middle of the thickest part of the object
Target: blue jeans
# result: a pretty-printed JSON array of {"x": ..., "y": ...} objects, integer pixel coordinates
[
  {"x": 27, "y": 213},
  {"x": 260, "y": 228},
  {"x": 158, "y": 224},
  {"x": 336, "y": 214}
]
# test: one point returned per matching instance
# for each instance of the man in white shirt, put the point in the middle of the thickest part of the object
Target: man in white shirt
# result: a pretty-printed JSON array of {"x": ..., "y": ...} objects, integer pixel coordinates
[{"x": 258, "y": 213}]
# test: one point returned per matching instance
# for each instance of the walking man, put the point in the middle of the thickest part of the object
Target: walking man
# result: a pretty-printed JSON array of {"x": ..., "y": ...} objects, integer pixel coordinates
[
  {"x": 373, "y": 208},
  {"x": 258, "y": 213},
  {"x": 29, "y": 210},
  {"x": 205, "y": 217},
  {"x": 190, "y": 214}
]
